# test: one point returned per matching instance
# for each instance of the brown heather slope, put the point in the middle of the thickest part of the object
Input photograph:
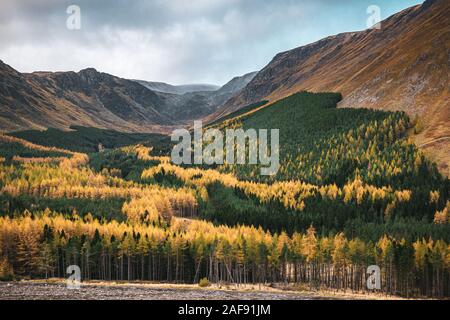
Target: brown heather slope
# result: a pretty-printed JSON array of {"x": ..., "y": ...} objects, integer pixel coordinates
[
  {"x": 403, "y": 66},
  {"x": 88, "y": 98}
]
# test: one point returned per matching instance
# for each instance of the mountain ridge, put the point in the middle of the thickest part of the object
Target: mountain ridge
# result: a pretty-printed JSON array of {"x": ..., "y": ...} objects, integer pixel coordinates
[
  {"x": 43, "y": 99},
  {"x": 87, "y": 98}
]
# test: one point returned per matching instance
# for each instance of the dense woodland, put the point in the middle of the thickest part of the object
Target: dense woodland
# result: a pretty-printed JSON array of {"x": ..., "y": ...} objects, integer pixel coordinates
[
  {"x": 83, "y": 139},
  {"x": 352, "y": 191},
  {"x": 322, "y": 144},
  {"x": 44, "y": 244}
]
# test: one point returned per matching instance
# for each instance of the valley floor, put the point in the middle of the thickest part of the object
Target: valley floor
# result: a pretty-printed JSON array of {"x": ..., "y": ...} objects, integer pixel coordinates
[{"x": 57, "y": 290}]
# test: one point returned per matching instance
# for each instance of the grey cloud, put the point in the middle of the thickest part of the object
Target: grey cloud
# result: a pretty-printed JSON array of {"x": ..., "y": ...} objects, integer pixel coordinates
[{"x": 169, "y": 40}]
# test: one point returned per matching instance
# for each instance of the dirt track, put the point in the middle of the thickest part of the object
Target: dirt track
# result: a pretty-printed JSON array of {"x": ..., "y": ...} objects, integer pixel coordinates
[{"x": 59, "y": 291}]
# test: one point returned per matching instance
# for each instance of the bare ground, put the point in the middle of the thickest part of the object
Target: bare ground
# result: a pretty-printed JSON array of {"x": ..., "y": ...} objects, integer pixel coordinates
[{"x": 57, "y": 290}]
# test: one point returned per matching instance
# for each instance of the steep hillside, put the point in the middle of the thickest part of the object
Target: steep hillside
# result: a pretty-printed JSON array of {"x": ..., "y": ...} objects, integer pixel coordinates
[
  {"x": 44, "y": 99},
  {"x": 404, "y": 66}
]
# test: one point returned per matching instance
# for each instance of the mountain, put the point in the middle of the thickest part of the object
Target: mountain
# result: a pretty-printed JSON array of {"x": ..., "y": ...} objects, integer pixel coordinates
[
  {"x": 237, "y": 84},
  {"x": 88, "y": 98},
  {"x": 180, "y": 89},
  {"x": 199, "y": 104},
  {"x": 403, "y": 66},
  {"x": 233, "y": 87}
]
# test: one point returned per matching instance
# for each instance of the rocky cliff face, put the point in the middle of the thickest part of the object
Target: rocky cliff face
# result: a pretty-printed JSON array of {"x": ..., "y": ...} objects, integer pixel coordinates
[{"x": 403, "y": 66}]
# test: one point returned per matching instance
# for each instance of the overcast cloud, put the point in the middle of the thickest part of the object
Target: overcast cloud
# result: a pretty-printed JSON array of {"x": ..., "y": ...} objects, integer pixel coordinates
[{"x": 176, "y": 41}]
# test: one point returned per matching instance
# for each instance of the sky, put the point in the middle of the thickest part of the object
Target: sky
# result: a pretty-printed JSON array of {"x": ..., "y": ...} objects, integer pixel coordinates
[{"x": 175, "y": 41}]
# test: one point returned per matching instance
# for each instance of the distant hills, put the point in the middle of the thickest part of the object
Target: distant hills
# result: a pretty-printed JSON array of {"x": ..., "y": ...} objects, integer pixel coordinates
[
  {"x": 180, "y": 89},
  {"x": 200, "y": 104}
]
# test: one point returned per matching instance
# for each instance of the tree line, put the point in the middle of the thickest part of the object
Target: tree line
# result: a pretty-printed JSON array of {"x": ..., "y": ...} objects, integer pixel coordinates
[{"x": 45, "y": 244}]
